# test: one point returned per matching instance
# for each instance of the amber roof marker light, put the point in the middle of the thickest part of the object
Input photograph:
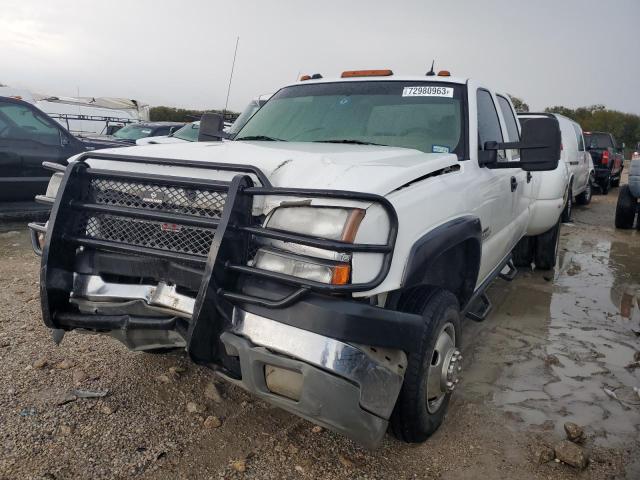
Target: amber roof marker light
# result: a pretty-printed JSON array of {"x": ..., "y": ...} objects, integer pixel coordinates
[
  {"x": 444, "y": 73},
  {"x": 366, "y": 73}
]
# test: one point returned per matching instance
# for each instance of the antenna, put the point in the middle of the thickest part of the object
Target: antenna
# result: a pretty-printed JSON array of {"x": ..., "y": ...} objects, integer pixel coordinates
[
  {"x": 431, "y": 73},
  {"x": 235, "y": 52}
]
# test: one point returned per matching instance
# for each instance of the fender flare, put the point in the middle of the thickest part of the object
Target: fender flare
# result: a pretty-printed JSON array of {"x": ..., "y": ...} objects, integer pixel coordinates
[{"x": 447, "y": 256}]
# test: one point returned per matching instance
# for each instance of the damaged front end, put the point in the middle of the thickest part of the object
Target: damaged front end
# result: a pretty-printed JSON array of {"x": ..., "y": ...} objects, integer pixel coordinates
[{"x": 161, "y": 261}]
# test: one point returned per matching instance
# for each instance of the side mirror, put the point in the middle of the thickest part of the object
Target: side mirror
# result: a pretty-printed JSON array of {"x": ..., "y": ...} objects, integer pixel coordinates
[
  {"x": 539, "y": 147},
  {"x": 211, "y": 125}
]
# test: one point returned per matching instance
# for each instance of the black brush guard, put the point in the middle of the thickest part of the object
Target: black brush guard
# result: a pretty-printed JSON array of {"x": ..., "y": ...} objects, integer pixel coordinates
[{"x": 227, "y": 257}]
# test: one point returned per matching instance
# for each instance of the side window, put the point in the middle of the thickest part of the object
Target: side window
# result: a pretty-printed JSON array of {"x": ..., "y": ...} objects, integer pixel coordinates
[
  {"x": 25, "y": 124},
  {"x": 579, "y": 137},
  {"x": 488, "y": 122},
  {"x": 513, "y": 135}
]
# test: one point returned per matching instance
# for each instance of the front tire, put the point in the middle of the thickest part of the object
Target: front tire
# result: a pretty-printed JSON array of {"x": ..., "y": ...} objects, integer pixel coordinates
[
  {"x": 547, "y": 244},
  {"x": 585, "y": 197},
  {"x": 626, "y": 208},
  {"x": 432, "y": 372}
]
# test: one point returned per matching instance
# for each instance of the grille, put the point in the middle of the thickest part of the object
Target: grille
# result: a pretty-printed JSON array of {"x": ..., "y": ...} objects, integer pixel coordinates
[
  {"x": 150, "y": 196},
  {"x": 145, "y": 233}
]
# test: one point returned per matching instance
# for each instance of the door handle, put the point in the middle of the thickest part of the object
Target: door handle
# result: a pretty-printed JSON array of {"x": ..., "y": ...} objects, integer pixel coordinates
[{"x": 514, "y": 184}]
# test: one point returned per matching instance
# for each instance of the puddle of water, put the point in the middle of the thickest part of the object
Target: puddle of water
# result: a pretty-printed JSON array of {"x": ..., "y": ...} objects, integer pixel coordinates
[{"x": 552, "y": 346}]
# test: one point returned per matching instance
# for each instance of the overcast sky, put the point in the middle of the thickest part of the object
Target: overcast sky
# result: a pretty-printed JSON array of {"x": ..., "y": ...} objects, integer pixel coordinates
[{"x": 179, "y": 53}]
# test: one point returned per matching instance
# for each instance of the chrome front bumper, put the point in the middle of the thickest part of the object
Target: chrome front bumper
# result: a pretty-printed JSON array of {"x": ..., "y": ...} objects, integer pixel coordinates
[
  {"x": 161, "y": 296},
  {"x": 347, "y": 388}
]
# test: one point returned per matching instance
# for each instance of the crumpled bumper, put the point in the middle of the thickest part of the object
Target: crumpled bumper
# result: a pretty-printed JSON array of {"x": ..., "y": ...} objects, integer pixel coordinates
[{"x": 347, "y": 388}]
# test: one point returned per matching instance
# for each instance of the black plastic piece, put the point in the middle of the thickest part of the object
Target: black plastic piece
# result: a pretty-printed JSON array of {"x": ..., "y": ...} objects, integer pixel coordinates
[
  {"x": 68, "y": 320},
  {"x": 340, "y": 318},
  {"x": 448, "y": 256}
]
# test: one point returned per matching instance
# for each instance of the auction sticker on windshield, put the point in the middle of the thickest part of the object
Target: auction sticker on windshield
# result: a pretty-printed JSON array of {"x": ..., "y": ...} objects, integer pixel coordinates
[{"x": 427, "y": 91}]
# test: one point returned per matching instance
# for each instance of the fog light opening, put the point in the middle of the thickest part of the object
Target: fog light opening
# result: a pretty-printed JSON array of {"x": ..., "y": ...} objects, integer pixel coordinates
[{"x": 283, "y": 382}]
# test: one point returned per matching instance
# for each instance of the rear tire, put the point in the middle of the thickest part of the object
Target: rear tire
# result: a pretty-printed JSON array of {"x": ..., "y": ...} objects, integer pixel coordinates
[
  {"x": 523, "y": 252},
  {"x": 626, "y": 208},
  {"x": 605, "y": 185},
  {"x": 547, "y": 248},
  {"x": 568, "y": 207},
  {"x": 417, "y": 414},
  {"x": 615, "y": 182}
]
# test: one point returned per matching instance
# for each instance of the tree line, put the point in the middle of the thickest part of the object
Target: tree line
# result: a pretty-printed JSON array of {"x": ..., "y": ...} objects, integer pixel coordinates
[
  {"x": 171, "y": 114},
  {"x": 625, "y": 127}
]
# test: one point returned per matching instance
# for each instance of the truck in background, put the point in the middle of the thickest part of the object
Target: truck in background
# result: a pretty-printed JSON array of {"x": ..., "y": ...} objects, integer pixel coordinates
[{"x": 85, "y": 115}]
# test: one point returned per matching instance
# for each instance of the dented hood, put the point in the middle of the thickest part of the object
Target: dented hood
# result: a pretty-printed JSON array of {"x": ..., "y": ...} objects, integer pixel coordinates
[{"x": 363, "y": 168}]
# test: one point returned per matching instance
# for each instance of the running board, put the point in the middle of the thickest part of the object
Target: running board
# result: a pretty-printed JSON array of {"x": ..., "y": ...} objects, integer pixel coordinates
[
  {"x": 511, "y": 274},
  {"x": 480, "y": 309}
]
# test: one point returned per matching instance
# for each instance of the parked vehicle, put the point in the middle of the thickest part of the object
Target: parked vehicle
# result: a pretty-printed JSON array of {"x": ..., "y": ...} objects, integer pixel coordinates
[
  {"x": 323, "y": 259},
  {"x": 85, "y": 115},
  {"x": 577, "y": 160},
  {"x": 29, "y": 137},
  {"x": 607, "y": 158},
  {"x": 188, "y": 133},
  {"x": 627, "y": 206},
  {"x": 133, "y": 132}
]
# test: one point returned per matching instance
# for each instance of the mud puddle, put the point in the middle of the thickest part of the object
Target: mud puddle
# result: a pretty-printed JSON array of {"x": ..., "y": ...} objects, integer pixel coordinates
[{"x": 558, "y": 345}]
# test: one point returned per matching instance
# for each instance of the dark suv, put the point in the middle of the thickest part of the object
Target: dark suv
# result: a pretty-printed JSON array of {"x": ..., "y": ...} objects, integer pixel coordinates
[
  {"x": 607, "y": 159},
  {"x": 29, "y": 137}
]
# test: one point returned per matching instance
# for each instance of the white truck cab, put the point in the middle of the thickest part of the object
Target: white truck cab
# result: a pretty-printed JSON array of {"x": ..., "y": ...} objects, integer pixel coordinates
[{"x": 324, "y": 258}]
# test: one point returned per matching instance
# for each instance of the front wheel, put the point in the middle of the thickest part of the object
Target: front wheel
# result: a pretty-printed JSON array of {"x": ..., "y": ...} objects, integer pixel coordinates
[
  {"x": 432, "y": 372},
  {"x": 547, "y": 244},
  {"x": 585, "y": 196},
  {"x": 625, "y": 208}
]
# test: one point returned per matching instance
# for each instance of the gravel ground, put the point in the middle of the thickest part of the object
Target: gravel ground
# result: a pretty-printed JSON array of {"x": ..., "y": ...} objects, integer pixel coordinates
[{"x": 163, "y": 417}]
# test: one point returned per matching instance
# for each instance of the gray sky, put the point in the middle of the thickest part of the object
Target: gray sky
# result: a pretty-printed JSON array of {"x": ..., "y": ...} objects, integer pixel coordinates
[{"x": 179, "y": 53}]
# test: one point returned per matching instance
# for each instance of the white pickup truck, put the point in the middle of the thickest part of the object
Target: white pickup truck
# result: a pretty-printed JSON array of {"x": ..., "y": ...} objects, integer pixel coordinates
[{"x": 323, "y": 259}]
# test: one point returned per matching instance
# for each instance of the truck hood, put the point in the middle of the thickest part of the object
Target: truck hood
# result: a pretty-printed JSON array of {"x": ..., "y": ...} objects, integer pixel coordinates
[{"x": 363, "y": 168}]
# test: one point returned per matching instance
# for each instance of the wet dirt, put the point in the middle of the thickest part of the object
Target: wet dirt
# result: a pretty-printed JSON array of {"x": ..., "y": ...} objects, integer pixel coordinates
[{"x": 546, "y": 354}]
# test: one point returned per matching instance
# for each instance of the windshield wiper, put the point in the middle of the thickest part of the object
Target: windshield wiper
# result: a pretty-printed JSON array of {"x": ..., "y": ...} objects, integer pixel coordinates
[
  {"x": 350, "y": 141},
  {"x": 263, "y": 138}
]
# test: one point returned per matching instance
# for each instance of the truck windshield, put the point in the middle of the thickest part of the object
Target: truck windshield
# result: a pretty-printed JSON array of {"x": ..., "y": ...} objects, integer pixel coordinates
[
  {"x": 243, "y": 118},
  {"x": 425, "y": 116},
  {"x": 597, "y": 140},
  {"x": 133, "y": 132}
]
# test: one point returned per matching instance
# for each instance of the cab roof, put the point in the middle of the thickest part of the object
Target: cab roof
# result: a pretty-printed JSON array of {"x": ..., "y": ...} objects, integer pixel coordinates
[{"x": 387, "y": 78}]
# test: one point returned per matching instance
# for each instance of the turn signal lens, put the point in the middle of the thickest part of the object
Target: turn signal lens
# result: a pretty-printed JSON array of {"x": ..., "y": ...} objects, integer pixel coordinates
[
  {"x": 605, "y": 158},
  {"x": 366, "y": 73},
  {"x": 341, "y": 274}
]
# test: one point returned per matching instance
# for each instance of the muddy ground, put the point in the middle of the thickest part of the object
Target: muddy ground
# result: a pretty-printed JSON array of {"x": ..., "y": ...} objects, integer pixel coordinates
[{"x": 546, "y": 354}]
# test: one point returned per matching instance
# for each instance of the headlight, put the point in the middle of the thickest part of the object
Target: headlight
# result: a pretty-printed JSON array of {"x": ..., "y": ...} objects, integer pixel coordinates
[
  {"x": 302, "y": 267},
  {"x": 54, "y": 184},
  {"x": 302, "y": 261},
  {"x": 332, "y": 223}
]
